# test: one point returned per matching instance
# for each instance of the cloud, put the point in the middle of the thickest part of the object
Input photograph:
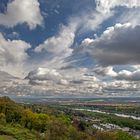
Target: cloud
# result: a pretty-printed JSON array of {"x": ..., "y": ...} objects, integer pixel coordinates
[
  {"x": 68, "y": 70},
  {"x": 13, "y": 55},
  {"x": 58, "y": 47},
  {"x": 121, "y": 88},
  {"x": 128, "y": 75},
  {"x": 59, "y": 44},
  {"x": 51, "y": 82},
  {"x": 105, "y": 6},
  {"x": 64, "y": 81},
  {"x": 119, "y": 44},
  {"x": 105, "y": 71},
  {"x": 19, "y": 12},
  {"x": 91, "y": 20},
  {"x": 64, "y": 39},
  {"x": 132, "y": 16},
  {"x": 105, "y": 9},
  {"x": 45, "y": 75}
]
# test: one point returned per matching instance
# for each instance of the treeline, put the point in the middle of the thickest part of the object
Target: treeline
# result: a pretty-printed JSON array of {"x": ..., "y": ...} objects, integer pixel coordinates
[{"x": 15, "y": 117}]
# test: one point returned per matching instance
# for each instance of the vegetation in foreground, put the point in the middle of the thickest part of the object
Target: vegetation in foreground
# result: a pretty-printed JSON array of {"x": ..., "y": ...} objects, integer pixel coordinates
[{"x": 19, "y": 122}]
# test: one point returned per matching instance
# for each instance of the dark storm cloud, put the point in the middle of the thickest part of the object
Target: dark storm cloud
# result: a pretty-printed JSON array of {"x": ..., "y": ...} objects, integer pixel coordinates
[{"x": 117, "y": 45}]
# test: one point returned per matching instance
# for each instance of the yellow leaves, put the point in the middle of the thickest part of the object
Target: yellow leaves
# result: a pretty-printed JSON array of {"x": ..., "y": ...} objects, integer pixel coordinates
[
  {"x": 105, "y": 136},
  {"x": 35, "y": 121},
  {"x": 2, "y": 118}
]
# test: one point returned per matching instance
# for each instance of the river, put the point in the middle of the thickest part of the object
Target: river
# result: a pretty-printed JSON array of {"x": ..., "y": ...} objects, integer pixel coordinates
[{"x": 119, "y": 115}]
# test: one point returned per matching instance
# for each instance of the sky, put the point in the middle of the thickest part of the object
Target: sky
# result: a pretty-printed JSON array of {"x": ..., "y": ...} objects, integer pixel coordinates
[{"x": 78, "y": 47}]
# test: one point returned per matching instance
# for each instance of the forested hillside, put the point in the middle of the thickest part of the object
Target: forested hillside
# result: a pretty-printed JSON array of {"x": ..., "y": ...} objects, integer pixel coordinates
[{"x": 29, "y": 122}]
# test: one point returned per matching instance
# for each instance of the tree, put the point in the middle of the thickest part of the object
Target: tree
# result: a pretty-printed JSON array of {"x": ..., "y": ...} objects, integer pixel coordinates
[
  {"x": 105, "y": 136},
  {"x": 124, "y": 136},
  {"x": 2, "y": 118}
]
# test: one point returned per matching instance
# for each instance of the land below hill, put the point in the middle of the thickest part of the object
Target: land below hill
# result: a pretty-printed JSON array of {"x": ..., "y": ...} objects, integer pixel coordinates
[{"x": 77, "y": 118}]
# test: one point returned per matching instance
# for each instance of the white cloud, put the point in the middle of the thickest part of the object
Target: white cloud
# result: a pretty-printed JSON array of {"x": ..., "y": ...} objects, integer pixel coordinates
[
  {"x": 133, "y": 75},
  {"x": 91, "y": 20},
  {"x": 105, "y": 6},
  {"x": 59, "y": 44},
  {"x": 22, "y": 11},
  {"x": 132, "y": 16},
  {"x": 56, "y": 48},
  {"x": 86, "y": 42},
  {"x": 118, "y": 45},
  {"x": 45, "y": 75},
  {"x": 105, "y": 9},
  {"x": 121, "y": 88},
  {"x": 128, "y": 75},
  {"x": 13, "y": 55},
  {"x": 105, "y": 71}
]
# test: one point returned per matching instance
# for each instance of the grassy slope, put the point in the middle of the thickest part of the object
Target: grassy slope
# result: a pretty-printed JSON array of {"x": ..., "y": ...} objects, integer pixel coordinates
[
  {"x": 16, "y": 133},
  {"x": 4, "y": 137}
]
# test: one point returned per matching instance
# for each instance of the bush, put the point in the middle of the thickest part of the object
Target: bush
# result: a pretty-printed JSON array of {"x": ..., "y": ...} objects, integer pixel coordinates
[{"x": 2, "y": 118}]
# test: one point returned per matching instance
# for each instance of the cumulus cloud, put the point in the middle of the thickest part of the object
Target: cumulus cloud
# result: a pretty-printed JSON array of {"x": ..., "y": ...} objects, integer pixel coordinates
[
  {"x": 58, "y": 47},
  {"x": 106, "y": 9},
  {"x": 115, "y": 35},
  {"x": 106, "y": 6},
  {"x": 59, "y": 44},
  {"x": 13, "y": 55},
  {"x": 119, "y": 44},
  {"x": 121, "y": 88},
  {"x": 45, "y": 75},
  {"x": 86, "y": 42},
  {"x": 18, "y": 12},
  {"x": 105, "y": 71},
  {"x": 128, "y": 75}
]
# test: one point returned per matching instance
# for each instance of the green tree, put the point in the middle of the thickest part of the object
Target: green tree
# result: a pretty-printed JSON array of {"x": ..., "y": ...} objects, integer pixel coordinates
[
  {"x": 105, "y": 136},
  {"x": 2, "y": 118},
  {"x": 124, "y": 136}
]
